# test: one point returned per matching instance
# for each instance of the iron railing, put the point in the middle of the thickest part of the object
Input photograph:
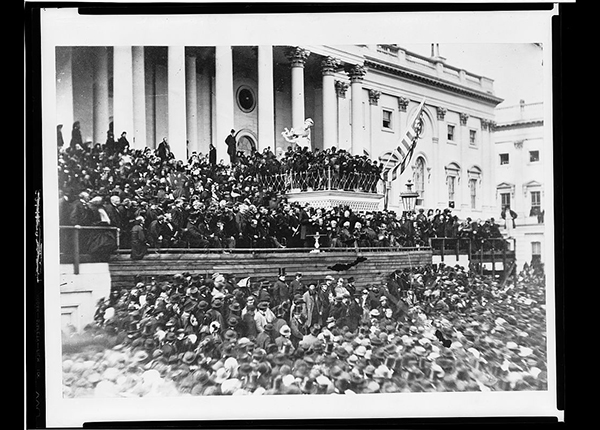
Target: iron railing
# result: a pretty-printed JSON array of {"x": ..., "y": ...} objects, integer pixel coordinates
[{"x": 321, "y": 180}]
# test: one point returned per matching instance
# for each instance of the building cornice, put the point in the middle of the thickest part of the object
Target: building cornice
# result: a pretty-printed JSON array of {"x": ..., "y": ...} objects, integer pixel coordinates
[
  {"x": 394, "y": 69},
  {"x": 519, "y": 124}
]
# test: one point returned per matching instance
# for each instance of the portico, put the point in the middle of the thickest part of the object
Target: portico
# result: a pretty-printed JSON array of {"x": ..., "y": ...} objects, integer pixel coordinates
[{"x": 359, "y": 97}]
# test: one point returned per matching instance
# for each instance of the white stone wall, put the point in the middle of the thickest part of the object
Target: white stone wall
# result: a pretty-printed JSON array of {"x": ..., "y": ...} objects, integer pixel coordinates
[{"x": 79, "y": 294}]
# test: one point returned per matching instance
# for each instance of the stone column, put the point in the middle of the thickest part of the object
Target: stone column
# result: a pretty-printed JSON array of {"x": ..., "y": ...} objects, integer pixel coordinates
[
  {"x": 191, "y": 106},
  {"x": 343, "y": 115},
  {"x": 375, "y": 120},
  {"x": 329, "y": 66},
  {"x": 138, "y": 138},
  {"x": 176, "y": 99},
  {"x": 223, "y": 98},
  {"x": 297, "y": 58},
  {"x": 123, "y": 92},
  {"x": 101, "y": 115},
  {"x": 266, "y": 94},
  {"x": 64, "y": 91},
  {"x": 356, "y": 74}
]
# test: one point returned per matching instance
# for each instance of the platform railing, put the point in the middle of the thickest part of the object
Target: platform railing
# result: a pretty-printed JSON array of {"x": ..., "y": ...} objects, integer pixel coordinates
[
  {"x": 492, "y": 250},
  {"x": 321, "y": 180},
  {"x": 71, "y": 238}
]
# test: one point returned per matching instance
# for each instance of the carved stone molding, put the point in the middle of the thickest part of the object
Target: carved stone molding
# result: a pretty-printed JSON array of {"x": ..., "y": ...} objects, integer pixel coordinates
[
  {"x": 341, "y": 88},
  {"x": 374, "y": 97},
  {"x": 485, "y": 123},
  {"x": 329, "y": 65},
  {"x": 403, "y": 103},
  {"x": 357, "y": 73},
  {"x": 463, "y": 118},
  {"x": 441, "y": 113},
  {"x": 297, "y": 56}
]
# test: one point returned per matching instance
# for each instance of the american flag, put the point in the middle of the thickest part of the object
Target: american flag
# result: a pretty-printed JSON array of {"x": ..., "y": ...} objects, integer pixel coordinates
[{"x": 395, "y": 161}]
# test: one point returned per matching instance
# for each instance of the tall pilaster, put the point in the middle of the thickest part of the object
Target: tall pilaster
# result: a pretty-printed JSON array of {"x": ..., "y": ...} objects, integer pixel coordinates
[
  {"x": 176, "y": 99},
  {"x": 101, "y": 112},
  {"x": 375, "y": 120},
  {"x": 297, "y": 56},
  {"x": 357, "y": 74},
  {"x": 328, "y": 66},
  {"x": 139, "y": 139},
  {"x": 191, "y": 107},
  {"x": 223, "y": 97},
  {"x": 266, "y": 103},
  {"x": 123, "y": 91},
  {"x": 64, "y": 90}
]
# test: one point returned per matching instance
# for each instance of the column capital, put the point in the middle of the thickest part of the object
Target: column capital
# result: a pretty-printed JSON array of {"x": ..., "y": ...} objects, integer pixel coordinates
[
  {"x": 341, "y": 88},
  {"x": 374, "y": 97},
  {"x": 485, "y": 123},
  {"x": 463, "y": 118},
  {"x": 357, "y": 73},
  {"x": 330, "y": 65},
  {"x": 441, "y": 112},
  {"x": 403, "y": 103},
  {"x": 297, "y": 56}
]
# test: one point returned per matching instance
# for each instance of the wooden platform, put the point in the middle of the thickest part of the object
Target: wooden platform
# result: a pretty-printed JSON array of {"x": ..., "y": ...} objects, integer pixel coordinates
[{"x": 259, "y": 264}]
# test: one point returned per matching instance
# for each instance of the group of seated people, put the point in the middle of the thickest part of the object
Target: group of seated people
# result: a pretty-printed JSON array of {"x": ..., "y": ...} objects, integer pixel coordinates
[
  {"x": 157, "y": 201},
  {"x": 429, "y": 328}
]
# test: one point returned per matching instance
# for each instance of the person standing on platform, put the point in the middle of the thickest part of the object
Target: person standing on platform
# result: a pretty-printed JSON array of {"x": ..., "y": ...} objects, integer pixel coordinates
[
  {"x": 59, "y": 136},
  {"x": 76, "y": 139},
  {"x": 212, "y": 155},
  {"x": 231, "y": 147}
]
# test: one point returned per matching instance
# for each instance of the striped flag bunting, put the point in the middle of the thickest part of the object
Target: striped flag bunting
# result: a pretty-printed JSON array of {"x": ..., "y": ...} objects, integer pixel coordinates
[{"x": 396, "y": 161}]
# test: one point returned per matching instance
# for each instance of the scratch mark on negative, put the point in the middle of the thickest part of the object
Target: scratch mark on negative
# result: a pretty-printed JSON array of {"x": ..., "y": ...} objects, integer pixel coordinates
[{"x": 38, "y": 237}]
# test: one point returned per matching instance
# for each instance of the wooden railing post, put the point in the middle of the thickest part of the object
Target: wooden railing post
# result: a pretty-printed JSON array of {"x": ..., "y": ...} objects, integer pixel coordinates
[
  {"x": 481, "y": 259},
  {"x": 457, "y": 248},
  {"x": 76, "y": 250}
]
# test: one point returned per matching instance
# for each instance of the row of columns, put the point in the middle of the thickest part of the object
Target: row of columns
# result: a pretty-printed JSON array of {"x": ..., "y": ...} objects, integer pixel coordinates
[
  {"x": 329, "y": 66},
  {"x": 129, "y": 95}
]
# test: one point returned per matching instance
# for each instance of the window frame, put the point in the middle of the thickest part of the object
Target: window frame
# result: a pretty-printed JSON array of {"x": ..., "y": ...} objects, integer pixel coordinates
[
  {"x": 389, "y": 129},
  {"x": 452, "y": 140},
  {"x": 507, "y": 158},
  {"x": 537, "y": 151}
]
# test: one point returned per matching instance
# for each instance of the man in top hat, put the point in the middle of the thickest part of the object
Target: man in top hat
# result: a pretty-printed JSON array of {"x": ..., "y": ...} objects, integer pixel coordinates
[{"x": 281, "y": 290}]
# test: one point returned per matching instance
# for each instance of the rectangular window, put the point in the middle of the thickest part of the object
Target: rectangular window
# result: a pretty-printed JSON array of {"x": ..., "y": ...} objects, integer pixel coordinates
[
  {"x": 473, "y": 190},
  {"x": 472, "y": 137},
  {"x": 504, "y": 200},
  {"x": 503, "y": 159},
  {"x": 450, "y": 132},
  {"x": 536, "y": 249},
  {"x": 536, "y": 199},
  {"x": 387, "y": 119},
  {"x": 451, "y": 182},
  {"x": 534, "y": 156}
]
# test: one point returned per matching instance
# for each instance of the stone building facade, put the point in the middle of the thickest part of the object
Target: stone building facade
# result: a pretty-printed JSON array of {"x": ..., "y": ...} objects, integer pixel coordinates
[{"x": 360, "y": 98}]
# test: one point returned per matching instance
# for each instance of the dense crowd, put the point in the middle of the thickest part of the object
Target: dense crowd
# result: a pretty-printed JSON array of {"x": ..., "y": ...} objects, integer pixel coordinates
[
  {"x": 430, "y": 328},
  {"x": 157, "y": 201}
]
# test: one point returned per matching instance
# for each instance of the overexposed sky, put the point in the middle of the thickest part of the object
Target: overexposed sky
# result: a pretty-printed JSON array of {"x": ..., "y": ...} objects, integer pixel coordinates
[{"x": 516, "y": 68}]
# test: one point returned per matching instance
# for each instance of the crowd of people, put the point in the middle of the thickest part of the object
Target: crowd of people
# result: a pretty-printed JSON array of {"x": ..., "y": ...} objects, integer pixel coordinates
[
  {"x": 426, "y": 329},
  {"x": 157, "y": 201}
]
